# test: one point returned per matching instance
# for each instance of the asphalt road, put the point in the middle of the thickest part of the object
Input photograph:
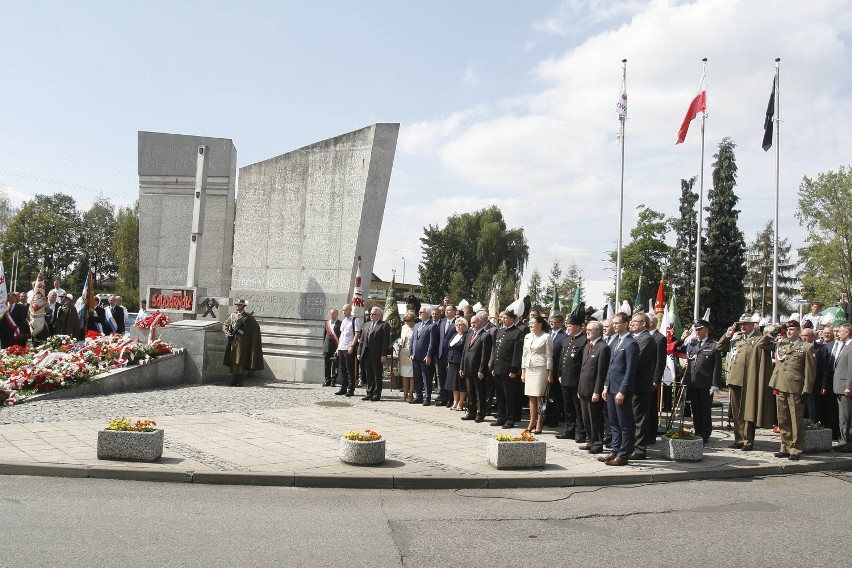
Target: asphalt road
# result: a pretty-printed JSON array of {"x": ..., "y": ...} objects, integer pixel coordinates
[{"x": 801, "y": 520}]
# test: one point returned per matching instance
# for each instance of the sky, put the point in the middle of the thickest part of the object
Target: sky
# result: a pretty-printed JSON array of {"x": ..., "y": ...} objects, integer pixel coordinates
[{"x": 500, "y": 102}]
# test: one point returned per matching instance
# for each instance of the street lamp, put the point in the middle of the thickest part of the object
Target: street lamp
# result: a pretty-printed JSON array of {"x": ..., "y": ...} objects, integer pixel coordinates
[{"x": 403, "y": 270}]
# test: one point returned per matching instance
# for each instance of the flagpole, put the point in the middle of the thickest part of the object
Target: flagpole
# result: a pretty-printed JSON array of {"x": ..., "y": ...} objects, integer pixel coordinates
[
  {"x": 623, "y": 120},
  {"x": 700, "y": 211},
  {"x": 777, "y": 119}
]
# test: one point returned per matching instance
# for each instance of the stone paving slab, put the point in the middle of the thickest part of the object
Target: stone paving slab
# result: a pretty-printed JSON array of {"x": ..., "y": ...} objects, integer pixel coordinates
[{"x": 288, "y": 434}]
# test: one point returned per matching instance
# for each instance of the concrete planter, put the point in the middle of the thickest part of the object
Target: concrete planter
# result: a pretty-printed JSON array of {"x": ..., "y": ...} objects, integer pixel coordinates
[
  {"x": 133, "y": 446},
  {"x": 509, "y": 455},
  {"x": 681, "y": 449},
  {"x": 817, "y": 440},
  {"x": 362, "y": 453}
]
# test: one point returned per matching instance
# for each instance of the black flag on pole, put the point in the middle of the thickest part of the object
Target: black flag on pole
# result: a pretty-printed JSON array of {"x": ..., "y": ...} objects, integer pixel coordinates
[{"x": 768, "y": 122}]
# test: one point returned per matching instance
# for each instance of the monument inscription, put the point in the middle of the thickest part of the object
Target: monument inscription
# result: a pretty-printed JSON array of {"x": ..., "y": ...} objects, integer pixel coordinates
[{"x": 278, "y": 304}]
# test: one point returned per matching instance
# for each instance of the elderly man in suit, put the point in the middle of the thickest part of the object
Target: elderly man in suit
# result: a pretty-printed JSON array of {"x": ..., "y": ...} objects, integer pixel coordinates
[
  {"x": 446, "y": 332},
  {"x": 703, "y": 375},
  {"x": 476, "y": 354},
  {"x": 373, "y": 351},
  {"x": 657, "y": 395},
  {"x": 424, "y": 351},
  {"x": 618, "y": 391},
  {"x": 843, "y": 388},
  {"x": 330, "y": 339},
  {"x": 593, "y": 371},
  {"x": 643, "y": 388}
]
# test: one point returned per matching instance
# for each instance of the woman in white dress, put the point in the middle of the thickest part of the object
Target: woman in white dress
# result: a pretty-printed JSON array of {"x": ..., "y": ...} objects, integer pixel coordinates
[
  {"x": 536, "y": 368},
  {"x": 406, "y": 368}
]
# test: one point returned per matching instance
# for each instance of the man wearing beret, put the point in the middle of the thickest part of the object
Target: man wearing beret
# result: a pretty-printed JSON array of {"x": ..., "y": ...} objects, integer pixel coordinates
[{"x": 795, "y": 371}]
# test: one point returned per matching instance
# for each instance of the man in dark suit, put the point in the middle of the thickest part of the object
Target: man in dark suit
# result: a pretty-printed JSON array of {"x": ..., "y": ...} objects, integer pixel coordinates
[
  {"x": 475, "y": 357},
  {"x": 446, "y": 332},
  {"x": 330, "y": 340},
  {"x": 558, "y": 337},
  {"x": 19, "y": 313},
  {"x": 703, "y": 375},
  {"x": 424, "y": 350},
  {"x": 569, "y": 376},
  {"x": 618, "y": 391},
  {"x": 373, "y": 351},
  {"x": 657, "y": 385},
  {"x": 596, "y": 356},
  {"x": 506, "y": 362},
  {"x": 643, "y": 387}
]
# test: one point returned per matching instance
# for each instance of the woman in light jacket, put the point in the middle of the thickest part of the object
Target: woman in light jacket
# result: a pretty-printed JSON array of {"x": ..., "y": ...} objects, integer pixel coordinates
[{"x": 536, "y": 368}]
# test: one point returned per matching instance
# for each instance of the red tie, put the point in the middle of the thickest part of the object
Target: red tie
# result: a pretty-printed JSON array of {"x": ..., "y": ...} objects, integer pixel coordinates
[
  {"x": 472, "y": 339},
  {"x": 590, "y": 348}
]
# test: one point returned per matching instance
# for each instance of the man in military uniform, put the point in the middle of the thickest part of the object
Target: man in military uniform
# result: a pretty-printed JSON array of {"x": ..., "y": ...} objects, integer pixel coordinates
[
  {"x": 702, "y": 376},
  {"x": 569, "y": 375},
  {"x": 795, "y": 371},
  {"x": 243, "y": 352},
  {"x": 743, "y": 374},
  {"x": 506, "y": 357}
]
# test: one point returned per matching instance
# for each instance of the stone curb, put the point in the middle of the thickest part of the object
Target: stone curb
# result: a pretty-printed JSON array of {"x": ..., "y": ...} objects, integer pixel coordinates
[{"x": 384, "y": 481}]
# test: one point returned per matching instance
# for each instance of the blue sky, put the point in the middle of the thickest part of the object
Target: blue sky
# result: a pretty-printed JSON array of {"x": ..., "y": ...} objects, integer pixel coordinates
[{"x": 503, "y": 102}]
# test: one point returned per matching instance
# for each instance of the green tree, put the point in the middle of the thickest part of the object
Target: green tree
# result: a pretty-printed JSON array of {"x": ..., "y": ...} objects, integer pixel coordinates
[
  {"x": 7, "y": 211},
  {"x": 125, "y": 250},
  {"x": 760, "y": 262},
  {"x": 45, "y": 231},
  {"x": 570, "y": 282},
  {"x": 680, "y": 275},
  {"x": 96, "y": 237},
  {"x": 478, "y": 246},
  {"x": 826, "y": 272},
  {"x": 723, "y": 268},
  {"x": 535, "y": 290},
  {"x": 646, "y": 254}
]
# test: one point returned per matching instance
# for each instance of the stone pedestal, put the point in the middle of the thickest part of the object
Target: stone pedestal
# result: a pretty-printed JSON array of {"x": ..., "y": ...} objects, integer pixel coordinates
[
  {"x": 682, "y": 449},
  {"x": 131, "y": 446},
  {"x": 205, "y": 345},
  {"x": 817, "y": 440},
  {"x": 362, "y": 453},
  {"x": 511, "y": 455}
]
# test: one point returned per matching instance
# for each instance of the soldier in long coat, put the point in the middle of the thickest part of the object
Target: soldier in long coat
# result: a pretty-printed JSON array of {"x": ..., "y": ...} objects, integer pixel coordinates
[
  {"x": 748, "y": 370},
  {"x": 795, "y": 371},
  {"x": 243, "y": 352},
  {"x": 67, "y": 318}
]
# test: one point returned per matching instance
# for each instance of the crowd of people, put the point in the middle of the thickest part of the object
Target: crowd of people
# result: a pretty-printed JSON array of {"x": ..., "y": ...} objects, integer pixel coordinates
[
  {"x": 37, "y": 315},
  {"x": 601, "y": 383}
]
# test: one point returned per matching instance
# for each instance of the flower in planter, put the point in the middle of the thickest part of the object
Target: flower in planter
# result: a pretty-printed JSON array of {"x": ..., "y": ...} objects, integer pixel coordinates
[
  {"x": 366, "y": 436},
  {"x": 126, "y": 425},
  {"x": 525, "y": 436},
  {"x": 681, "y": 435}
]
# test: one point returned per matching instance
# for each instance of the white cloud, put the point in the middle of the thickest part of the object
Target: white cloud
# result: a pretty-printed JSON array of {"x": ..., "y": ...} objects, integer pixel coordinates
[
  {"x": 471, "y": 76},
  {"x": 16, "y": 198}
]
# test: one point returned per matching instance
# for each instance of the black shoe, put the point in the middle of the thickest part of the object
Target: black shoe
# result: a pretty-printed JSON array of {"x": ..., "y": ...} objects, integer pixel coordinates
[
  {"x": 479, "y": 419},
  {"x": 595, "y": 450},
  {"x": 508, "y": 424},
  {"x": 376, "y": 398},
  {"x": 426, "y": 402},
  {"x": 440, "y": 402},
  {"x": 607, "y": 440},
  {"x": 416, "y": 401},
  {"x": 234, "y": 382},
  {"x": 564, "y": 436},
  {"x": 581, "y": 440},
  {"x": 794, "y": 457},
  {"x": 746, "y": 448},
  {"x": 468, "y": 417},
  {"x": 327, "y": 384},
  {"x": 350, "y": 393},
  {"x": 584, "y": 447},
  {"x": 781, "y": 455},
  {"x": 736, "y": 445},
  {"x": 368, "y": 397},
  {"x": 637, "y": 456},
  {"x": 498, "y": 422},
  {"x": 341, "y": 391},
  {"x": 840, "y": 449}
]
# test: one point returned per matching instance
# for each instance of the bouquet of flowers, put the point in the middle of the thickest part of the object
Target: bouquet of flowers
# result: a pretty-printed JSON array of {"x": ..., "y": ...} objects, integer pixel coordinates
[{"x": 366, "y": 436}]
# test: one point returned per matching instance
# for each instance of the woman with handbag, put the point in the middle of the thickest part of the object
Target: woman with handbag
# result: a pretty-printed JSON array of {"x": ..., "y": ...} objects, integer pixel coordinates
[
  {"x": 536, "y": 369},
  {"x": 455, "y": 383}
]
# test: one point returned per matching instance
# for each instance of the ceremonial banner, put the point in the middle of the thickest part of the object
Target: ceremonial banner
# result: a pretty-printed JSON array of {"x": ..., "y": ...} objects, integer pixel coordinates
[
  {"x": 698, "y": 104},
  {"x": 770, "y": 116},
  {"x": 37, "y": 306},
  {"x": 357, "y": 295},
  {"x": 4, "y": 294}
]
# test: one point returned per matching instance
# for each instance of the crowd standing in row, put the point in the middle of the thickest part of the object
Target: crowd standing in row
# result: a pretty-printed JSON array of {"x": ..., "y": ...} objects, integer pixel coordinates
[{"x": 602, "y": 379}]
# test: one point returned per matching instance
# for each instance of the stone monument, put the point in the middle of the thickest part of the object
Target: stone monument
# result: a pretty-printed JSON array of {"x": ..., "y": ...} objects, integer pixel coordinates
[
  {"x": 303, "y": 218},
  {"x": 167, "y": 168}
]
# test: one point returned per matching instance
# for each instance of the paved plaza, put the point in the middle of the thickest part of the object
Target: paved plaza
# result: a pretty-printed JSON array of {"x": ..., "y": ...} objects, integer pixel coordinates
[{"x": 278, "y": 433}]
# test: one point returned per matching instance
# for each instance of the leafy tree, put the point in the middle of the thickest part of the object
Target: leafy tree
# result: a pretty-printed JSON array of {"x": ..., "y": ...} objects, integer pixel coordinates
[
  {"x": 45, "y": 231},
  {"x": 478, "y": 246},
  {"x": 723, "y": 268},
  {"x": 125, "y": 248},
  {"x": 96, "y": 235},
  {"x": 826, "y": 271},
  {"x": 7, "y": 211},
  {"x": 760, "y": 270},
  {"x": 646, "y": 254},
  {"x": 535, "y": 291},
  {"x": 680, "y": 275}
]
